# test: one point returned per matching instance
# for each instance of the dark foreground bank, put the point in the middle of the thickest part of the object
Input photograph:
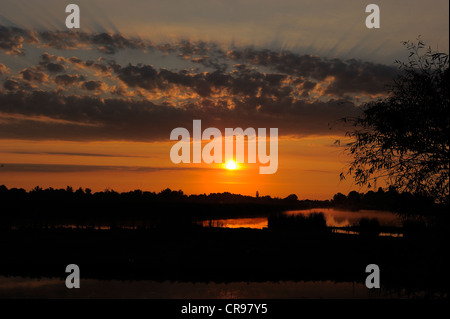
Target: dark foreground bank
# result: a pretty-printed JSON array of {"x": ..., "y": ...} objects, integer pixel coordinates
[{"x": 197, "y": 254}]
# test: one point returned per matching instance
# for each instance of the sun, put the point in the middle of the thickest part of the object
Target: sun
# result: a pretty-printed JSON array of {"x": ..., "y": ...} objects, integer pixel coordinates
[{"x": 231, "y": 165}]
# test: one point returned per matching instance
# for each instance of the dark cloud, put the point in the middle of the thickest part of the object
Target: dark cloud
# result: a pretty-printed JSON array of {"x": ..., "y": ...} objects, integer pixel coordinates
[
  {"x": 143, "y": 76},
  {"x": 12, "y": 39},
  {"x": 33, "y": 74},
  {"x": 16, "y": 84},
  {"x": 110, "y": 43},
  {"x": 11, "y": 85},
  {"x": 307, "y": 87},
  {"x": 3, "y": 69},
  {"x": 46, "y": 58},
  {"x": 93, "y": 118},
  {"x": 96, "y": 66},
  {"x": 61, "y": 168},
  {"x": 63, "y": 40},
  {"x": 241, "y": 82},
  {"x": 93, "y": 86},
  {"x": 68, "y": 79},
  {"x": 206, "y": 53},
  {"x": 52, "y": 63},
  {"x": 103, "y": 42},
  {"x": 76, "y": 154},
  {"x": 149, "y": 78},
  {"x": 351, "y": 76},
  {"x": 55, "y": 67}
]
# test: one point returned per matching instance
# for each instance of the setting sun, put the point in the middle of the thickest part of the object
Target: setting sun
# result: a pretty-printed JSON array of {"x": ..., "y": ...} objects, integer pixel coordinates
[{"x": 231, "y": 165}]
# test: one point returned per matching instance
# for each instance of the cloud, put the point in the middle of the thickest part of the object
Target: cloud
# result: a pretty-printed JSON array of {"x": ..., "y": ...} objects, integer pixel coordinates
[
  {"x": 99, "y": 68},
  {"x": 38, "y": 119},
  {"x": 58, "y": 117},
  {"x": 71, "y": 98},
  {"x": 4, "y": 69},
  {"x": 33, "y": 74},
  {"x": 96, "y": 86},
  {"x": 68, "y": 79},
  {"x": 76, "y": 154},
  {"x": 350, "y": 76},
  {"x": 63, "y": 168},
  {"x": 55, "y": 67},
  {"x": 243, "y": 81},
  {"x": 12, "y": 39},
  {"x": 14, "y": 84},
  {"x": 11, "y": 85},
  {"x": 103, "y": 42}
]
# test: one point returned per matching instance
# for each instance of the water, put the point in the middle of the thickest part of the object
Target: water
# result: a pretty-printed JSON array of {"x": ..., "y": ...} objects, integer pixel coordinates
[
  {"x": 253, "y": 222},
  {"x": 23, "y": 287},
  {"x": 342, "y": 218},
  {"x": 333, "y": 217}
]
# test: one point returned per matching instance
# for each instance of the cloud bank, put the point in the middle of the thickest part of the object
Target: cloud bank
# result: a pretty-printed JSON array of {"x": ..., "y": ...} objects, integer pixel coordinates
[{"x": 65, "y": 96}]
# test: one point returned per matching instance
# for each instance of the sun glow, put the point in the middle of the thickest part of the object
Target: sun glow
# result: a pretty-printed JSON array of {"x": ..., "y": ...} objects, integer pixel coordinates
[{"x": 231, "y": 165}]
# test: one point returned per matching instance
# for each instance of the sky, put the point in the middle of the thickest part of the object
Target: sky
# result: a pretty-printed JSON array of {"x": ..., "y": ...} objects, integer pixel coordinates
[{"x": 94, "y": 107}]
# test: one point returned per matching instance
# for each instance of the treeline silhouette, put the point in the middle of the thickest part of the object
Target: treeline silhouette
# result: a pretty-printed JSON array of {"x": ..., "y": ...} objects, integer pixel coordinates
[
  {"x": 391, "y": 200},
  {"x": 171, "y": 208},
  {"x": 166, "y": 195},
  {"x": 382, "y": 199},
  {"x": 40, "y": 205}
]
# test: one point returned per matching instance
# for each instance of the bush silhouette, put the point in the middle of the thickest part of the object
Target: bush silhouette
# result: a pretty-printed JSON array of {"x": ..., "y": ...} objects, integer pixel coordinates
[
  {"x": 369, "y": 227},
  {"x": 314, "y": 222},
  {"x": 404, "y": 138}
]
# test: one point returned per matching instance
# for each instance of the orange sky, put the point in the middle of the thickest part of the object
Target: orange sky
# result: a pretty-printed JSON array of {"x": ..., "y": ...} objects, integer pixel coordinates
[
  {"x": 308, "y": 167},
  {"x": 133, "y": 72}
]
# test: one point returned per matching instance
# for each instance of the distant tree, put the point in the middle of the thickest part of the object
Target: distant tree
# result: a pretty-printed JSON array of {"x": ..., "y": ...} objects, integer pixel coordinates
[
  {"x": 37, "y": 189},
  {"x": 404, "y": 138},
  {"x": 339, "y": 199},
  {"x": 291, "y": 198},
  {"x": 354, "y": 197}
]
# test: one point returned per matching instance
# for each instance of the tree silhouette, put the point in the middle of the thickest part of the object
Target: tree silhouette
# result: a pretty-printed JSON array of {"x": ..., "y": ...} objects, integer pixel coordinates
[{"x": 404, "y": 138}]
